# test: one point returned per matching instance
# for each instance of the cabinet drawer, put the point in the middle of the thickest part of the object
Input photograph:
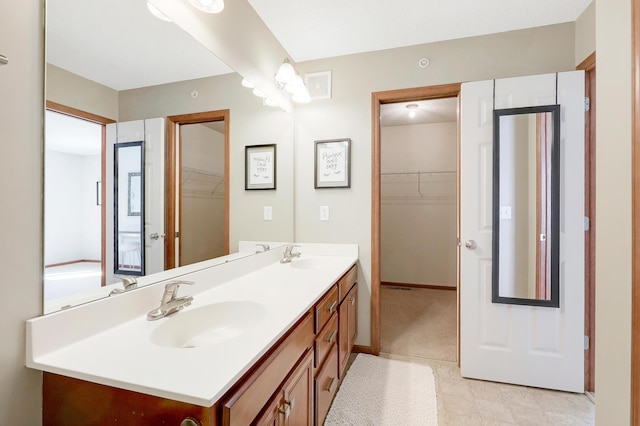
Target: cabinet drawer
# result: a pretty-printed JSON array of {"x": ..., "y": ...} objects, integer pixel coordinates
[
  {"x": 326, "y": 307},
  {"x": 249, "y": 397},
  {"x": 327, "y": 337},
  {"x": 346, "y": 282},
  {"x": 326, "y": 385}
]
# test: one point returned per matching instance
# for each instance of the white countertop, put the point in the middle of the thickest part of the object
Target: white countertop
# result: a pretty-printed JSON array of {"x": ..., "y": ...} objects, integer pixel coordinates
[{"x": 109, "y": 341}]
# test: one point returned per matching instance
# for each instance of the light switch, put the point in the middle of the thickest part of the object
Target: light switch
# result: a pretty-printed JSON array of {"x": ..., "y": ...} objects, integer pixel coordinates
[
  {"x": 324, "y": 212},
  {"x": 267, "y": 213},
  {"x": 505, "y": 212}
]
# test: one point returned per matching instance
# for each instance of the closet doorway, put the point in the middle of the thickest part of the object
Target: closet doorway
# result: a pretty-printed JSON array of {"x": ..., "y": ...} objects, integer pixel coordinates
[
  {"x": 197, "y": 187},
  {"x": 415, "y": 222},
  {"x": 418, "y": 221}
]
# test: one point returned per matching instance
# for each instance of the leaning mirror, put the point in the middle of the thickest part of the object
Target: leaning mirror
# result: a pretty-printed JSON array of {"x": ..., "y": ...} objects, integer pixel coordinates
[{"x": 526, "y": 194}]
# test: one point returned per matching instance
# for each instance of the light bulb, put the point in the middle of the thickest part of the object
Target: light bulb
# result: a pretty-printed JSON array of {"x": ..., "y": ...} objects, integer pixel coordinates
[
  {"x": 296, "y": 85},
  {"x": 301, "y": 97},
  {"x": 412, "y": 114},
  {"x": 259, "y": 93},
  {"x": 285, "y": 72}
]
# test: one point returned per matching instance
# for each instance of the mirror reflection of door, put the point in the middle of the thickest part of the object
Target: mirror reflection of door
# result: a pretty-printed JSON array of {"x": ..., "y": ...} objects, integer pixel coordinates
[
  {"x": 73, "y": 213},
  {"x": 202, "y": 192}
]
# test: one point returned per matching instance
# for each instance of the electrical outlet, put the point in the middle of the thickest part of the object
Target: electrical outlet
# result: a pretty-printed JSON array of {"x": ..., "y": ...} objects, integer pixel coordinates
[{"x": 268, "y": 213}]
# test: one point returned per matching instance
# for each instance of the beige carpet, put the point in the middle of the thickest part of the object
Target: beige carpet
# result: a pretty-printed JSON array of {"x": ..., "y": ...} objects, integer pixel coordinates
[
  {"x": 379, "y": 391},
  {"x": 419, "y": 322}
]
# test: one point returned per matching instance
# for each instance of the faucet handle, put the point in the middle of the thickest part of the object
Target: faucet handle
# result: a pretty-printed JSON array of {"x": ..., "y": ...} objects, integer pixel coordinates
[
  {"x": 265, "y": 247},
  {"x": 289, "y": 248},
  {"x": 129, "y": 282}
]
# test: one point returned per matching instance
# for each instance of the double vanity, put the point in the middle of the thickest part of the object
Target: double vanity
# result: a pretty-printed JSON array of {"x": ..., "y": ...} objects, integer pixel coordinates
[{"x": 257, "y": 341}]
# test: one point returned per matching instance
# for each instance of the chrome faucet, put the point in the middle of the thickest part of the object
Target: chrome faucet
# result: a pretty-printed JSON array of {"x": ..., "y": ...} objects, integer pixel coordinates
[
  {"x": 265, "y": 247},
  {"x": 288, "y": 254},
  {"x": 170, "y": 303},
  {"x": 129, "y": 283}
]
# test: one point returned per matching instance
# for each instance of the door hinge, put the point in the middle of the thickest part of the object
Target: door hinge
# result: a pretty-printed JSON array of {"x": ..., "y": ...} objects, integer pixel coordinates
[
  {"x": 177, "y": 234},
  {"x": 587, "y": 223},
  {"x": 586, "y": 342},
  {"x": 587, "y": 103}
]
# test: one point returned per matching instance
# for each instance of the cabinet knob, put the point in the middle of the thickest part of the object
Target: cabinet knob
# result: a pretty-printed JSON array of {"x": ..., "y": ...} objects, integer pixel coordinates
[
  {"x": 190, "y": 421},
  {"x": 353, "y": 300}
]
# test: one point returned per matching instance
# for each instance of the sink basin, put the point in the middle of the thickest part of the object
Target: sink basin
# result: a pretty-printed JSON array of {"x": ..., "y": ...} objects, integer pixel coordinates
[
  {"x": 208, "y": 325},
  {"x": 308, "y": 263}
]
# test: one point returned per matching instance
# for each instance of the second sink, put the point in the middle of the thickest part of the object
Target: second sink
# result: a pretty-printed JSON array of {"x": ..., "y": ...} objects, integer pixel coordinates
[{"x": 208, "y": 325}]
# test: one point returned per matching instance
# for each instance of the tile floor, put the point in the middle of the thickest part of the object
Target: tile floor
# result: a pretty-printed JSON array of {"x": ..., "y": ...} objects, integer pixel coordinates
[{"x": 474, "y": 402}]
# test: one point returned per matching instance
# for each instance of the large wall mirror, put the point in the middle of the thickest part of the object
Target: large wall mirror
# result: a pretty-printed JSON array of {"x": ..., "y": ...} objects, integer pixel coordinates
[
  {"x": 526, "y": 195},
  {"x": 116, "y": 62}
]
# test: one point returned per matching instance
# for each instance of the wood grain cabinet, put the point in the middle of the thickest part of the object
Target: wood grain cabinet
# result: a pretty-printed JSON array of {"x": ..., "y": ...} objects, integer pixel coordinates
[{"x": 348, "y": 315}]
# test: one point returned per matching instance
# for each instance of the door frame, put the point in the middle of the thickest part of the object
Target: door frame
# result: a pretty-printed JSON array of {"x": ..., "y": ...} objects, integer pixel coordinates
[
  {"x": 378, "y": 98},
  {"x": 102, "y": 121},
  {"x": 588, "y": 65},
  {"x": 635, "y": 212},
  {"x": 171, "y": 168}
]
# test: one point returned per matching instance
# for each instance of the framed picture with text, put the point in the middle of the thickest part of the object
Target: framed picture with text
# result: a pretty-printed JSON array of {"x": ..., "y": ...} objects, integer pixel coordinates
[
  {"x": 333, "y": 163},
  {"x": 260, "y": 167}
]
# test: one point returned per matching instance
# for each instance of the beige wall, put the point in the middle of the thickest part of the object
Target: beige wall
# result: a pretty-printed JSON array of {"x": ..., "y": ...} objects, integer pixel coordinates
[
  {"x": 348, "y": 114},
  {"x": 613, "y": 212},
  {"x": 77, "y": 92},
  {"x": 586, "y": 33},
  {"x": 21, "y": 109},
  {"x": 418, "y": 222}
]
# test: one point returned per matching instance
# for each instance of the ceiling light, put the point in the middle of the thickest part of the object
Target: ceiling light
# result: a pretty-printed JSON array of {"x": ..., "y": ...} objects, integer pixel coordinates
[
  {"x": 156, "y": 12},
  {"x": 301, "y": 97},
  {"x": 285, "y": 73},
  {"x": 246, "y": 83},
  {"x": 296, "y": 85},
  {"x": 209, "y": 6},
  {"x": 412, "y": 110}
]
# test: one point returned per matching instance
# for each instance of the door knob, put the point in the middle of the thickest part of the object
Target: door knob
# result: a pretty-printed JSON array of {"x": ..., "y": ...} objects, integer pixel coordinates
[
  {"x": 156, "y": 236},
  {"x": 471, "y": 245}
]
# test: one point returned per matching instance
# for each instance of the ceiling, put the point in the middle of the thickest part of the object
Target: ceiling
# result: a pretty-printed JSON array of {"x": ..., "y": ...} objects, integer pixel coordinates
[
  {"x": 426, "y": 112},
  {"x": 120, "y": 45}
]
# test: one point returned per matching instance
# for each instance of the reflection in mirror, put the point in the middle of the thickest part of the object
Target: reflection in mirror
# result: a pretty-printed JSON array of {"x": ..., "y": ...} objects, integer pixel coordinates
[
  {"x": 91, "y": 64},
  {"x": 129, "y": 208},
  {"x": 526, "y": 191}
]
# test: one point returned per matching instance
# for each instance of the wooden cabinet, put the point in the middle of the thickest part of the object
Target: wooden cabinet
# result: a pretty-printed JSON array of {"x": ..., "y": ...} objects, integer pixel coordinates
[
  {"x": 292, "y": 405},
  {"x": 348, "y": 315}
]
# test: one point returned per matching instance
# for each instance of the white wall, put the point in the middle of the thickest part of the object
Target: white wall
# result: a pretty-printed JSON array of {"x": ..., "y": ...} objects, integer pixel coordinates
[
  {"x": 418, "y": 222},
  {"x": 586, "y": 33},
  {"x": 348, "y": 114},
  {"x": 21, "y": 128},
  {"x": 613, "y": 212},
  {"x": 72, "y": 223}
]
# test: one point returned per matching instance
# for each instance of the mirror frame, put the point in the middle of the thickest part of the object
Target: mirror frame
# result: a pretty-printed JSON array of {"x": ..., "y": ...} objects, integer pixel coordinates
[
  {"x": 554, "y": 302},
  {"x": 117, "y": 207}
]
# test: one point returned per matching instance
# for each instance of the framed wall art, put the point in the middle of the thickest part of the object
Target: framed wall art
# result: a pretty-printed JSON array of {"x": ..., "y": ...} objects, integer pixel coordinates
[
  {"x": 260, "y": 167},
  {"x": 333, "y": 163}
]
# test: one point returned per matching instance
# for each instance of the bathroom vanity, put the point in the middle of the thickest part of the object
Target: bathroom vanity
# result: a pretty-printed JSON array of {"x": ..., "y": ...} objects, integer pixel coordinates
[{"x": 262, "y": 343}]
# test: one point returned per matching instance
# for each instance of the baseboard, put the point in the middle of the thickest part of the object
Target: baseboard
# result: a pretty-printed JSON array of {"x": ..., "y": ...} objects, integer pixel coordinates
[
  {"x": 429, "y": 286},
  {"x": 71, "y": 263},
  {"x": 363, "y": 349}
]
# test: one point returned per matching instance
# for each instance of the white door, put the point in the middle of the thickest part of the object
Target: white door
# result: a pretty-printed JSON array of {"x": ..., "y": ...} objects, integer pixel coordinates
[
  {"x": 526, "y": 345},
  {"x": 150, "y": 131},
  {"x": 154, "y": 195}
]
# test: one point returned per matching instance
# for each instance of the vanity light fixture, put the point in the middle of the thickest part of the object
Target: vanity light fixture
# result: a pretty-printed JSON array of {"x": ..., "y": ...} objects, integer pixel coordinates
[
  {"x": 209, "y": 6},
  {"x": 412, "y": 110},
  {"x": 246, "y": 83},
  {"x": 157, "y": 13},
  {"x": 287, "y": 78},
  {"x": 259, "y": 93}
]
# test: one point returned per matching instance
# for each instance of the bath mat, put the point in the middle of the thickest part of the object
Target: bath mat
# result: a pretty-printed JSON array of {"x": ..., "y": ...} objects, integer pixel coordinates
[{"x": 379, "y": 391}]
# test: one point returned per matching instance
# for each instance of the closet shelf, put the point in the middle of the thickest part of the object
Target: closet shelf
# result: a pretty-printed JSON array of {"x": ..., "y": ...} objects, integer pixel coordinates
[{"x": 202, "y": 183}]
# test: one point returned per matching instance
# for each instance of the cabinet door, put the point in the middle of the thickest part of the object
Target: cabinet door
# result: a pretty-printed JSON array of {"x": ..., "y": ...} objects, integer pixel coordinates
[
  {"x": 348, "y": 328},
  {"x": 298, "y": 403},
  {"x": 271, "y": 416}
]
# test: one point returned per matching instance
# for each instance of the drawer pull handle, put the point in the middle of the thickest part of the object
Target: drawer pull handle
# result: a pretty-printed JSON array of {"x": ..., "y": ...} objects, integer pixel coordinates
[
  {"x": 332, "y": 306},
  {"x": 288, "y": 406},
  {"x": 189, "y": 421},
  {"x": 331, "y": 380},
  {"x": 331, "y": 336},
  {"x": 352, "y": 300}
]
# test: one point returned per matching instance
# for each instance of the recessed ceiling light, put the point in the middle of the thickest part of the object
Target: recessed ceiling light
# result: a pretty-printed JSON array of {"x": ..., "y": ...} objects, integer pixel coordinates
[{"x": 412, "y": 109}]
